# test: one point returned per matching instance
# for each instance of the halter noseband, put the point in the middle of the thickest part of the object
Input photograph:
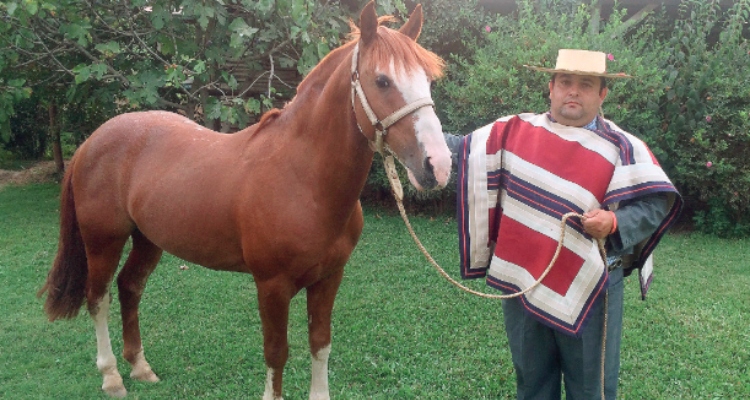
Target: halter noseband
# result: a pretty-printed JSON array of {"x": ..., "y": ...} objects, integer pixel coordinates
[{"x": 381, "y": 126}]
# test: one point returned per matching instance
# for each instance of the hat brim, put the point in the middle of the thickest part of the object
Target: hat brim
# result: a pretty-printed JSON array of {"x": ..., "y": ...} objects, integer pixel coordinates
[{"x": 586, "y": 73}]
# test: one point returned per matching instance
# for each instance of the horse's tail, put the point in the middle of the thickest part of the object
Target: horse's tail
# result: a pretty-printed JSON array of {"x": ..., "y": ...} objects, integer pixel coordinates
[{"x": 66, "y": 281}]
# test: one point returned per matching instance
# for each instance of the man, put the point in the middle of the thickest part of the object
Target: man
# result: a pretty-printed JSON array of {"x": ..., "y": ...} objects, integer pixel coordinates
[{"x": 517, "y": 177}]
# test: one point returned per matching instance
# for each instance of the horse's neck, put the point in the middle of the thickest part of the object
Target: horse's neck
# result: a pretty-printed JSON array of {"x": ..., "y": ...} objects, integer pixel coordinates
[
  {"x": 319, "y": 131},
  {"x": 328, "y": 125}
]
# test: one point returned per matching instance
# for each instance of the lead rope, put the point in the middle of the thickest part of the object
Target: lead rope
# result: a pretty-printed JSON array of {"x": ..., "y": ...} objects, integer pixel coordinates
[{"x": 398, "y": 194}]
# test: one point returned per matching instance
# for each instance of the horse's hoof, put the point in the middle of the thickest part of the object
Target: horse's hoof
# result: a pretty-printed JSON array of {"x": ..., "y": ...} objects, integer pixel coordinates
[
  {"x": 115, "y": 391},
  {"x": 145, "y": 376},
  {"x": 113, "y": 386}
]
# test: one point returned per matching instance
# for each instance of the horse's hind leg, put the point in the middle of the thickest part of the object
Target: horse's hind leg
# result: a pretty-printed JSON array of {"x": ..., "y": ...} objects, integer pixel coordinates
[
  {"x": 320, "y": 297},
  {"x": 131, "y": 281},
  {"x": 103, "y": 257}
]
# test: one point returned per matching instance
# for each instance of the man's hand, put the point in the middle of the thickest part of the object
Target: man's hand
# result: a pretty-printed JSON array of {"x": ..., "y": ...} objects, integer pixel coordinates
[{"x": 598, "y": 223}]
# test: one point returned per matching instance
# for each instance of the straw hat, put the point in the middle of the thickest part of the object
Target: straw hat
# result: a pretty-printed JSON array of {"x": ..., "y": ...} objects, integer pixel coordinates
[{"x": 580, "y": 62}]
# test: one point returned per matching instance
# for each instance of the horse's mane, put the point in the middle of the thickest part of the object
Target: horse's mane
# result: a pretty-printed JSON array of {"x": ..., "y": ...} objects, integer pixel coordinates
[
  {"x": 267, "y": 118},
  {"x": 391, "y": 45}
]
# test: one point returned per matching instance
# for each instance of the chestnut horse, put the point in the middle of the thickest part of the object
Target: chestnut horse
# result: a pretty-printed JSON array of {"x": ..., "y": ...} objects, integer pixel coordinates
[{"x": 278, "y": 200}]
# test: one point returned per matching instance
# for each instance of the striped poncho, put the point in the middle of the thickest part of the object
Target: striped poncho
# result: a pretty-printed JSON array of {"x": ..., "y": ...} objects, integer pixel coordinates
[{"x": 517, "y": 177}]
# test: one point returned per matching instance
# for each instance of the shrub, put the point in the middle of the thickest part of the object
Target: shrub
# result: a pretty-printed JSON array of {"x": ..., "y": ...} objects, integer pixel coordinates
[
  {"x": 491, "y": 82},
  {"x": 706, "y": 113},
  {"x": 687, "y": 100}
]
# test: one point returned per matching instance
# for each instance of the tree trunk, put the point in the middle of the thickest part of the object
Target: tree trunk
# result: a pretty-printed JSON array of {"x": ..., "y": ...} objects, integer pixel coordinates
[{"x": 54, "y": 133}]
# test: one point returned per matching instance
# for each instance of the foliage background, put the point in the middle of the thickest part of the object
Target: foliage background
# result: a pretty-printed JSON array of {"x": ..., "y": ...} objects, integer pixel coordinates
[
  {"x": 84, "y": 62},
  {"x": 689, "y": 100}
]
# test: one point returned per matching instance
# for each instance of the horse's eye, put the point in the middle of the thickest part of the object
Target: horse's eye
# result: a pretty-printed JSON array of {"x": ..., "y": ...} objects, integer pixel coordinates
[{"x": 382, "y": 81}]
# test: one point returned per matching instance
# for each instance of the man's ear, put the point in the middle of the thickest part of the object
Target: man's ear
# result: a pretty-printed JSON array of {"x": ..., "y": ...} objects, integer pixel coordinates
[{"x": 551, "y": 85}]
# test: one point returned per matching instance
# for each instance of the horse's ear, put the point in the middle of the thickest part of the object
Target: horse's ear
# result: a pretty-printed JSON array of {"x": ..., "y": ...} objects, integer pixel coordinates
[
  {"x": 413, "y": 27},
  {"x": 368, "y": 23}
]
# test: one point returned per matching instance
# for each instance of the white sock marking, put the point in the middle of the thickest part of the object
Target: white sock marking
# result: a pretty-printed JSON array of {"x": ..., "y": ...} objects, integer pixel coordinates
[
  {"x": 319, "y": 381},
  {"x": 268, "y": 394}
]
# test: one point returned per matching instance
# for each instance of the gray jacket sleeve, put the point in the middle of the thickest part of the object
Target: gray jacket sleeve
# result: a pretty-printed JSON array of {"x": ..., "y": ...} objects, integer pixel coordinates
[
  {"x": 637, "y": 220},
  {"x": 453, "y": 141}
]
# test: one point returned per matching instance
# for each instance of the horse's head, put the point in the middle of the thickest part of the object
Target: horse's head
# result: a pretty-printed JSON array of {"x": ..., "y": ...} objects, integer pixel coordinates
[{"x": 391, "y": 76}]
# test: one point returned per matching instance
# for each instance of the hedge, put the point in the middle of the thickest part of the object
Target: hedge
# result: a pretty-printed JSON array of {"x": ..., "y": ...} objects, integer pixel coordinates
[{"x": 689, "y": 100}]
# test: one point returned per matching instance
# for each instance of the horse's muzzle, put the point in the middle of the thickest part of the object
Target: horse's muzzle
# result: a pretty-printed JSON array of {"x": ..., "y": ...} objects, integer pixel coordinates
[{"x": 430, "y": 176}]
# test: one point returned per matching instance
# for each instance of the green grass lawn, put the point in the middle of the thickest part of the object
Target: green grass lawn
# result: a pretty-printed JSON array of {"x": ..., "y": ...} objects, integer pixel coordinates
[{"x": 400, "y": 330}]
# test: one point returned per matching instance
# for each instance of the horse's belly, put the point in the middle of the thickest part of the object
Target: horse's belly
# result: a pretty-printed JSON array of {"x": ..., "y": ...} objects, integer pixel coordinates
[
  {"x": 204, "y": 251},
  {"x": 200, "y": 236}
]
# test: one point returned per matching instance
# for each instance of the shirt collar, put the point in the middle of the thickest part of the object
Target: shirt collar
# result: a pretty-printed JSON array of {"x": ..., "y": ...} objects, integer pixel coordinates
[{"x": 590, "y": 126}]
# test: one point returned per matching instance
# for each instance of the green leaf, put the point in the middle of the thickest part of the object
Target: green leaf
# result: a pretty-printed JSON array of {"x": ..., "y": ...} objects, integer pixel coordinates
[
  {"x": 264, "y": 6},
  {"x": 213, "y": 109},
  {"x": 78, "y": 32},
  {"x": 11, "y": 7},
  {"x": 252, "y": 106},
  {"x": 31, "y": 6},
  {"x": 230, "y": 80},
  {"x": 203, "y": 22},
  {"x": 159, "y": 15},
  {"x": 298, "y": 10},
  {"x": 109, "y": 49},
  {"x": 16, "y": 83},
  {"x": 240, "y": 27},
  {"x": 200, "y": 67},
  {"x": 323, "y": 49},
  {"x": 82, "y": 73},
  {"x": 98, "y": 70},
  {"x": 294, "y": 31}
]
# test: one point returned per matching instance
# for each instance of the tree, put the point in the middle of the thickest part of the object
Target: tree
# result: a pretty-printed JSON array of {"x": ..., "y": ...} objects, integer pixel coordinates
[{"x": 213, "y": 61}]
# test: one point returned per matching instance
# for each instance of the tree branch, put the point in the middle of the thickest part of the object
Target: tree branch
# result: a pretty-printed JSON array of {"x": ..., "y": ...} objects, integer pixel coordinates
[{"x": 634, "y": 20}]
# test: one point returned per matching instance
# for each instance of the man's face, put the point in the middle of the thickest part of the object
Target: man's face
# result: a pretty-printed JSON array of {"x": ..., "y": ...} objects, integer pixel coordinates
[{"x": 575, "y": 99}]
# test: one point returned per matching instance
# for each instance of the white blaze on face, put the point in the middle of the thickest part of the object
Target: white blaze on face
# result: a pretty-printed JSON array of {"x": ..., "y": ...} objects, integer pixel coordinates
[{"x": 414, "y": 85}]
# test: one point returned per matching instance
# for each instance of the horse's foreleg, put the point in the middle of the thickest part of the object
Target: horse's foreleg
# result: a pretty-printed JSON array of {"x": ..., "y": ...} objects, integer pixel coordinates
[
  {"x": 320, "y": 297},
  {"x": 273, "y": 303},
  {"x": 131, "y": 281}
]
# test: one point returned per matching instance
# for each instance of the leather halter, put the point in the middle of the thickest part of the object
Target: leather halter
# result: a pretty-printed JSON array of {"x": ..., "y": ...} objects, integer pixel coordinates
[{"x": 381, "y": 126}]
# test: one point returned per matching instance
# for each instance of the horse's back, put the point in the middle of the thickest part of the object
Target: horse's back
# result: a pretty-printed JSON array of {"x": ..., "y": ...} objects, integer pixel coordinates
[{"x": 142, "y": 134}]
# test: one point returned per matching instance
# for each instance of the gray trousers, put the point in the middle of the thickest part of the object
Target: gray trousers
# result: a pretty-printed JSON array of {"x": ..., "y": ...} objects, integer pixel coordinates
[{"x": 543, "y": 357}]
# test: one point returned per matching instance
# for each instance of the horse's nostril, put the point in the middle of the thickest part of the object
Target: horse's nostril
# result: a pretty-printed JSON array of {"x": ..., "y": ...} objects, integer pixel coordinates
[
  {"x": 428, "y": 168},
  {"x": 428, "y": 179}
]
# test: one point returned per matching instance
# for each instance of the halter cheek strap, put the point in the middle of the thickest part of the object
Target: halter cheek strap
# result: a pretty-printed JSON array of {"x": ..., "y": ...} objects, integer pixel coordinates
[{"x": 381, "y": 126}]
